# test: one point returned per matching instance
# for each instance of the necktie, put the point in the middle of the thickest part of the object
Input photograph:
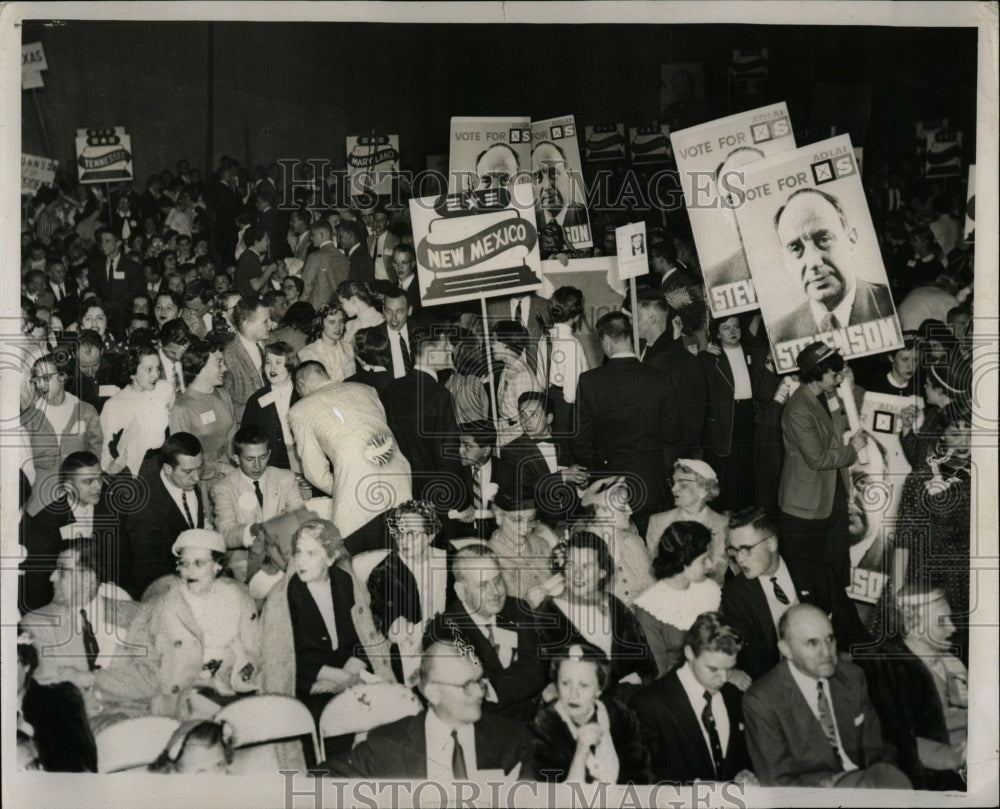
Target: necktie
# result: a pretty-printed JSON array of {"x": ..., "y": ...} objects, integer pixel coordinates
[
  {"x": 829, "y": 322},
  {"x": 260, "y": 350},
  {"x": 90, "y": 647},
  {"x": 492, "y": 637},
  {"x": 259, "y": 493},
  {"x": 187, "y": 510},
  {"x": 405, "y": 351},
  {"x": 111, "y": 271},
  {"x": 477, "y": 488},
  {"x": 826, "y": 720},
  {"x": 458, "y": 771},
  {"x": 779, "y": 593},
  {"x": 518, "y": 314},
  {"x": 708, "y": 719}
]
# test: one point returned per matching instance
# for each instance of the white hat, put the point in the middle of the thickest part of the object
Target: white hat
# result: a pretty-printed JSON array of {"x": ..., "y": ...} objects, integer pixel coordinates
[
  {"x": 199, "y": 538},
  {"x": 698, "y": 467}
]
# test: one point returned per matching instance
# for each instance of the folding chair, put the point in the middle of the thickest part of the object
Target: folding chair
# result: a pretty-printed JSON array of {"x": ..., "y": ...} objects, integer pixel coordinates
[
  {"x": 268, "y": 719},
  {"x": 133, "y": 743},
  {"x": 366, "y": 707}
]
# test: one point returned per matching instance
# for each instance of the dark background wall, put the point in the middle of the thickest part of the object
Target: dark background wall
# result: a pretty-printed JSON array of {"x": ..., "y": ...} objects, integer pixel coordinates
[{"x": 263, "y": 91}]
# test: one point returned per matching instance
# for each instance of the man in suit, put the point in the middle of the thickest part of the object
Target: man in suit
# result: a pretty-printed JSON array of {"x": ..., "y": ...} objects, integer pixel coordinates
[
  {"x": 172, "y": 504},
  {"x": 819, "y": 248},
  {"x": 531, "y": 311},
  {"x": 809, "y": 721},
  {"x": 251, "y": 274},
  {"x": 244, "y": 354},
  {"x": 768, "y": 584},
  {"x": 197, "y": 312},
  {"x": 351, "y": 238},
  {"x": 665, "y": 266},
  {"x": 325, "y": 267},
  {"x": 78, "y": 632},
  {"x": 499, "y": 628},
  {"x": 535, "y": 467},
  {"x": 249, "y": 496},
  {"x": 397, "y": 310},
  {"x": 665, "y": 351},
  {"x": 453, "y": 740},
  {"x": 692, "y": 718},
  {"x": 343, "y": 424},
  {"x": 815, "y": 479},
  {"x": 421, "y": 414},
  {"x": 476, "y": 444},
  {"x": 380, "y": 247},
  {"x": 115, "y": 278},
  {"x": 404, "y": 265},
  {"x": 626, "y": 423}
]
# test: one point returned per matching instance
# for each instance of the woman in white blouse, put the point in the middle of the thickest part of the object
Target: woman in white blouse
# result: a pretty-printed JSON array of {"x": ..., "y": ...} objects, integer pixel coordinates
[
  {"x": 359, "y": 302},
  {"x": 135, "y": 420},
  {"x": 561, "y": 358},
  {"x": 329, "y": 347}
]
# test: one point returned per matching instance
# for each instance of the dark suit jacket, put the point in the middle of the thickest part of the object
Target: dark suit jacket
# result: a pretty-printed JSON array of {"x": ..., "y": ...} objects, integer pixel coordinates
[
  {"x": 362, "y": 267},
  {"x": 626, "y": 425},
  {"x": 393, "y": 592},
  {"x": 521, "y": 471},
  {"x": 717, "y": 436},
  {"x": 555, "y": 745},
  {"x": 538, "y": 320},
  {"x": 248, "y": 266},
  {"x": 413, "y": 298},
  {"x": 872, "y": 302},
  {"x": 62, "y": 737},
  {"x": 267, "y": 419},
  {"x": 380, "y": 380},
  {"x": 686, "y": 383},
  {"x": 420, "y": 412},
  {"x": 519, "y": 685},
  {"x": 117, "y": 294},
  {"x": 152, "y": 530},
  {"x": 399, "y": 750},
  {"x": 312, "y": 639},
  {"x": 744, "y": 605},
  {"x": 785, "y": 740},
  {"x": 672, "y": 733},
  {"x": 410, "y": 326}
]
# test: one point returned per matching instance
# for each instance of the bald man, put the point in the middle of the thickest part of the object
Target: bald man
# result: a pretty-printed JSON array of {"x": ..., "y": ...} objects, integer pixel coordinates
[
  {"x": 563, "y": 222},
  {"x": 809, "y": 721},
  {"x": 452, "y": 740}
]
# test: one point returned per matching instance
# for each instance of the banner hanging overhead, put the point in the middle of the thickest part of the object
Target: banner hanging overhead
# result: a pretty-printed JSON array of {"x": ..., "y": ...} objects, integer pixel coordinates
[
  {"x": 710, "y": 160},
  {"x": 813, "y": 254}
]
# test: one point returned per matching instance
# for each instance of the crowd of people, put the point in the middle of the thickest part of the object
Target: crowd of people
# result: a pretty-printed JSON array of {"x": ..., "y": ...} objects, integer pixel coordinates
[{"x": 250, "y": 452}]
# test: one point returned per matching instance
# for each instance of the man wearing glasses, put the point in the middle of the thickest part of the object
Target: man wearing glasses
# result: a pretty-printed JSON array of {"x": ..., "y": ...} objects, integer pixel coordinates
[
  {"x": 453, "y": 740},
  {"x": 768, "y": 584}
]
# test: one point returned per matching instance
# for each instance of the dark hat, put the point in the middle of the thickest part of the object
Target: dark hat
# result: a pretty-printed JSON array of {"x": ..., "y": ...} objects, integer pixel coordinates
[
  {"x": 505, "y": 501},
  {"x": 812, "y": 355}
]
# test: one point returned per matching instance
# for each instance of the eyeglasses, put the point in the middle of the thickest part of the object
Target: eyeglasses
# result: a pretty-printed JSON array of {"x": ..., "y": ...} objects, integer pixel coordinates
[
  {"x": 739, "y": 550},
  {"x": 471, "y": 688},
  {"x": 683, "y": 482}
]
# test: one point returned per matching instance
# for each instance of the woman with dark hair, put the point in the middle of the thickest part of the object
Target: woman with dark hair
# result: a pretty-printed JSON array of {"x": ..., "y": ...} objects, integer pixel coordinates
[
  {"x": 135, "y": 420},
  {"x": 197, "y": 746},
  {"x": 682, "y": 593},
  {"x": 585, "y": 612},
  {"x": 372, "y": 353},
  {"x": 943, "y": 385},
  {"x": 586, "y": 735},
  {"x": 360, "y": 304},
  {"x": 94, "y": 316},
  {"x": 205, "y": 409},
  {"x": 901, "y": 377},
  {"x": 467, "y": 385},
  {"x": 328, "y": 346},
  {"x": 296, "y": 325},
  {"x": 561, "y": 359},
  {"x": 53, "y": 717},
  {"x": 268, "y": 407},
  {"x": 318, "y": 632}
]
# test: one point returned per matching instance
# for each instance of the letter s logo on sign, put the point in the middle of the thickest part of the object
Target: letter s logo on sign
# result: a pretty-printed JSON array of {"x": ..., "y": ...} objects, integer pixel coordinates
[
  {"x": 844, "y": 166},
  {"x": 780, "y": 128}
]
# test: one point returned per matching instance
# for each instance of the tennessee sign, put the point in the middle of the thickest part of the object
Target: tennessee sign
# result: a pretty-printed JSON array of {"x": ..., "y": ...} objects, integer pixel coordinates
[
  {"x": 371, "y": 162},
  {"x": 476, "y": 244},
  {"x": 104, "y": 155}
]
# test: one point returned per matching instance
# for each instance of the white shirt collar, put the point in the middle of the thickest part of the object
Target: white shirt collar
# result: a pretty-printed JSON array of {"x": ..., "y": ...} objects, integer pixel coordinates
[
  {"x": 626, "y": 353},
  {"x": 439, "y": 744}
]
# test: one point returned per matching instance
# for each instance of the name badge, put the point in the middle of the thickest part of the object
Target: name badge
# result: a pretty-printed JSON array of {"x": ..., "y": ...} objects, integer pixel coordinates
[
  {"x": 117, "y": 274},
  {"x": 208, "y": 417},
  {"x": 70, "y": 531},
  {"x": 267, "y": 399},
  {"x": 80, "y": 428}
]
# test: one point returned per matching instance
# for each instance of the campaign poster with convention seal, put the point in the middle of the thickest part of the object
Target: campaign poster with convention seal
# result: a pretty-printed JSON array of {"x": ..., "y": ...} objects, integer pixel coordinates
[
  {"x": 476, "y": 244},
  {"x": 489, "y": 153},
  {"x": 813, "y": 254},
  {"x": 649, "y": 145},
  {"x": 604, "y": 142},
  {"x": 560, "y": 193},
  {"x": 710, "y": 160},
  {"x": 371, "y": 162},
  {"x": 104, "y": 155}
]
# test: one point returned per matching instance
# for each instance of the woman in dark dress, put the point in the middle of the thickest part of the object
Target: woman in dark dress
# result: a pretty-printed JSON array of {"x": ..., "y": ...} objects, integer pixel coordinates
[
  {"x": 268, "y": 407},
  {"x": 586, "y": 736}
]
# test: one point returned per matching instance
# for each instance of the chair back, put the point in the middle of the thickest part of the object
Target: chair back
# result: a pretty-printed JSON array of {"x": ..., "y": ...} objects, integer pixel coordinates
[
  {"x": 366, "y": 707},
  {"x": 270, "y": 718},
  {"x": 133, "y": 743}
]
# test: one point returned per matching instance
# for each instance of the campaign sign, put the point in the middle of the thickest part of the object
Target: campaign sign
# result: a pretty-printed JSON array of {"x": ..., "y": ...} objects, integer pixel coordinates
[
  {"x": 877, "y": 486},
  {"x": 710, "y": 160},
  {"x": 371, "y": 162},
  {"x": 813, "y": 254},
  {"x": 36, "y": 172},
  {"x": 943, "y": 155},
  {"x": 33, "y": 57},
  {"x": 489, "y": 153},
  {"x": 476, "y": 244},
  {"x": 748, "y": 64},
  {"x": 633, "y": 252},
  {"x": 604, "y": 142},
  {"x": 104, "y": 155},
  {"x": 649, "y": 144},
  {"x": 970, "y": 206},
  {"x": 560, "y": 193}
]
